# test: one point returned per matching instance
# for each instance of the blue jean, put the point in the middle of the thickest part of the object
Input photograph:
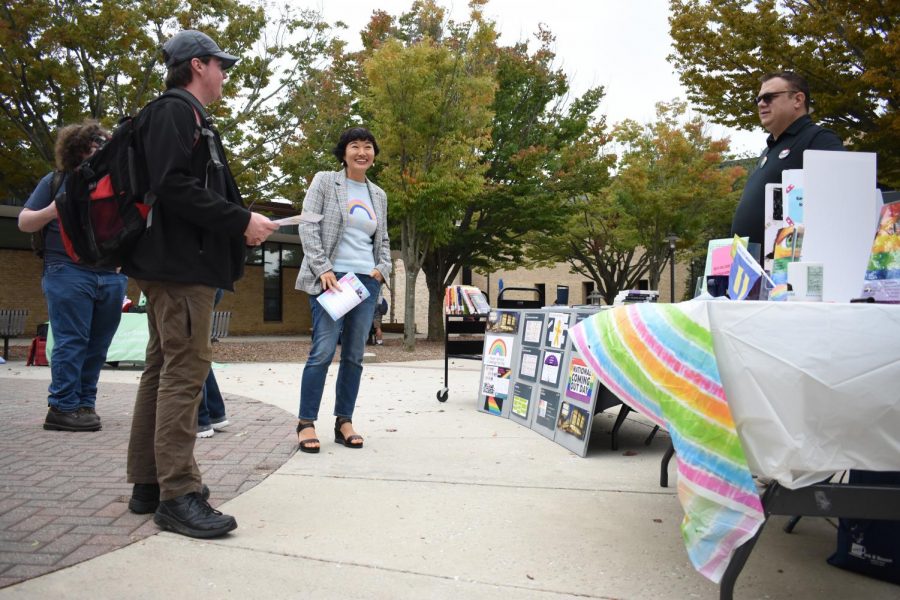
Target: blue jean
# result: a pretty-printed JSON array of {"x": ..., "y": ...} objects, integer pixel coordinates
[
  {"x": 85, "y": 308},
  {"x": 352, "y": 328},
  {"x": 213, "y": 405}
]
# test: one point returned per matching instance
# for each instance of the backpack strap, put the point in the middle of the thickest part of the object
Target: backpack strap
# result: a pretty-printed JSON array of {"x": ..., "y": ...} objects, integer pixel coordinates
[
  {"x": 56, "y": 183},
  {"x": 205, "y": 129},
  {"x": 39, "y": 237}
]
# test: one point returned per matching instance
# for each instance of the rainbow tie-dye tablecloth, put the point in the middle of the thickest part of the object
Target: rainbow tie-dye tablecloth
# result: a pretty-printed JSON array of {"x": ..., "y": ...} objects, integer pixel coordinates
[
  {"x": 659, "y": 359},
  {"x": 811, "y": 390}
]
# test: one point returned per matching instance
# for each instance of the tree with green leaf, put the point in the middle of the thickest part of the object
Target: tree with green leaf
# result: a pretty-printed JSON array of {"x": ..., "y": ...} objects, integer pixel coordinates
[
  {"x": 848, "y": 50},
  {"x": 543, "y": 151},
  {"x": 429, "y": 100},
  {"x": 64, "y": 60},
  {"x": 669, "y": 180}
]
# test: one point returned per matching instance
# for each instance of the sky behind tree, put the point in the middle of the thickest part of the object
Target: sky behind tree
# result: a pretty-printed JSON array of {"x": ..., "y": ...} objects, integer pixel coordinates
[{"x": 619, "y": 44}]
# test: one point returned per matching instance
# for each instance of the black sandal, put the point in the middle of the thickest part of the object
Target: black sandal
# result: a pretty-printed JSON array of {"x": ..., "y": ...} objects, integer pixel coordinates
[
  {"x": 307, "y": 445},
  {"x": 339, "y": 437}
]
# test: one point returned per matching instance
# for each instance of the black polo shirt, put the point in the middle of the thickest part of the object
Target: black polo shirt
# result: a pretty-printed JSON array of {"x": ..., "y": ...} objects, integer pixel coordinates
[{"x": 784, "y": 153}]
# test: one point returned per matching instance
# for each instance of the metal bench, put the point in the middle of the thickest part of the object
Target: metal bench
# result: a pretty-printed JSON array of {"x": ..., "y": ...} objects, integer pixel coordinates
[
  {"x": 221, "y": 319},
  {"x": 12, "y": 324}
]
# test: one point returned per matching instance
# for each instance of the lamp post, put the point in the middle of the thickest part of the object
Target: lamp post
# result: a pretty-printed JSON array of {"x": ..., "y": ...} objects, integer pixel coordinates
[{"x": 672, "y": 238}]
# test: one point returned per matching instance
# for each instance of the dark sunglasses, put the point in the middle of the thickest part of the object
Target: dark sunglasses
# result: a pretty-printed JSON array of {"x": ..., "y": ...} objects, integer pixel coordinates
[{"x": 769, "y": 96}]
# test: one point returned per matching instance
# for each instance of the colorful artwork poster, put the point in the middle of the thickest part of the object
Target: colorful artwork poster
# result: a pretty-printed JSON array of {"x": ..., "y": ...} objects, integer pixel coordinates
[
  {"x": 883, "y": 271},
  {"x": 573, "y": 420},
  {"x": 495, "y": 389},
  {"x": 550, "y": 367},
  {"x": 534, "y": 325},
  {"x": 521, "y": 400},
  {"x": 581, "y": 381},
  {"x": 548, "y": 408},
  {"x": 495, "y": 381},
  {"x": 503, "y": 321},
  {"x": 497, "y": 350},
  {"x": 557, "y": 330},
  {"x": 528, "y": 365}
]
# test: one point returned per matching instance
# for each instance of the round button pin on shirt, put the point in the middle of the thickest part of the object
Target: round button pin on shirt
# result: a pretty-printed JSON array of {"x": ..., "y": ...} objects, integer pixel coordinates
[
  {"x": 784, "y": 153},
  {"x": 762, "y": 161}
]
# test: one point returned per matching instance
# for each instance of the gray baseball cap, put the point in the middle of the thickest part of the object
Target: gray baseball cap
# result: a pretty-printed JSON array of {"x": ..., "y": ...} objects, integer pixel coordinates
[{"x": 189, "y": 44}]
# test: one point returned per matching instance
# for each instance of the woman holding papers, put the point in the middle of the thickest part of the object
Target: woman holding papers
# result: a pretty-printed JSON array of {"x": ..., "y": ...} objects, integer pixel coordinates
[{"x": 345, "y": 232}]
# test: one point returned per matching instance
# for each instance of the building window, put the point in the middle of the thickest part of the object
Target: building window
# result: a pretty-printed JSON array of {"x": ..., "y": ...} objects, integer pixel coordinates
[
  {"x": 291, "y": 255},
  {"x": 586, "y": 288},
  {"x": 272, "y": 282},
  {"x": 255, "y": 256},
  {"x": 644, "y": 284},
  {"x": 542, "y": 288},
  {"x": 274, "y": 257},
  {"x": 11, "y": 237}
]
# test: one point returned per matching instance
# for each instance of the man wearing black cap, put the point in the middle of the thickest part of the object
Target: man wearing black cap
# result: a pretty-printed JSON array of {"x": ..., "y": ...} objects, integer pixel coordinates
[
  {"x": 783, "y": 105},
  {"x": 195, "y": 242}
]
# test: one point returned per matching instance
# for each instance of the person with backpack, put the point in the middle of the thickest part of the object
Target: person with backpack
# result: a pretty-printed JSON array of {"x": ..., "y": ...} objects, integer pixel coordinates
[
  {"x": 194, "y": 242},
  {"x": 83, "y": 303}
]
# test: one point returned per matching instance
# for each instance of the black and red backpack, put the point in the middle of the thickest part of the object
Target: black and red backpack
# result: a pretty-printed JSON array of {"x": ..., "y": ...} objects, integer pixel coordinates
[{"x": 108, "y": 202}]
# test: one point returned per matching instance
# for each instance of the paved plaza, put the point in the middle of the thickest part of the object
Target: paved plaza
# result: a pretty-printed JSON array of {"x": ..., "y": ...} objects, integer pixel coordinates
[{"x": 443, "y": 502}]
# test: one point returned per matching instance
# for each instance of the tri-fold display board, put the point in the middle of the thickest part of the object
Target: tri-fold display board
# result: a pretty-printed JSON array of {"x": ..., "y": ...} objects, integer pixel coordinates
[{"x": 532, "y": 375}]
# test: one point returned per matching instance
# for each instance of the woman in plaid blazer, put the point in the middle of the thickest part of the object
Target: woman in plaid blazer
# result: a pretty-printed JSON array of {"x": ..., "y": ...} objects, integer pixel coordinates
[{"x": 345, "y": 231}]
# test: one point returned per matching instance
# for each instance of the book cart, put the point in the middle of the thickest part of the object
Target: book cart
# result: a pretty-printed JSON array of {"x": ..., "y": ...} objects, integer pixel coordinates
[
  {"x": 465, "y": 316},
  {"x": 470, "y": 320},
  {"x": 468, "y": 349}
]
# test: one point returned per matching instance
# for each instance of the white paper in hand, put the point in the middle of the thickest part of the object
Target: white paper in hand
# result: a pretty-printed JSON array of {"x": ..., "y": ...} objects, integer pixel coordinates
[{"x": 339, "y": 303}]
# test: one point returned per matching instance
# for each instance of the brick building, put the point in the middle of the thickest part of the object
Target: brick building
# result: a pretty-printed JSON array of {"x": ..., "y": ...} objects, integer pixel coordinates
[{"x": 265, "y": 301}]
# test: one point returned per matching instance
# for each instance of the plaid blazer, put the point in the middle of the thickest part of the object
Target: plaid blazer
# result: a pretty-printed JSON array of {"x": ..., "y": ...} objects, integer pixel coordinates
[{"x": 327, "y": 196}]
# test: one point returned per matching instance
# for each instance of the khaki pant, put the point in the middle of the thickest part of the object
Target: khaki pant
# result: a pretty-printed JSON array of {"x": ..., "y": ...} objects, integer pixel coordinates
[{"x": 179, "y": 353}]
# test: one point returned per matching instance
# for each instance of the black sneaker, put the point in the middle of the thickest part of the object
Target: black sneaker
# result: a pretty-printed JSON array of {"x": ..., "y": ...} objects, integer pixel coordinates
[
  {"x": 145, "y": 498},
  {"x": 70, "y": 421},
  {"x": 89, "y": 414},
  {"x": 192, "y": 516}
]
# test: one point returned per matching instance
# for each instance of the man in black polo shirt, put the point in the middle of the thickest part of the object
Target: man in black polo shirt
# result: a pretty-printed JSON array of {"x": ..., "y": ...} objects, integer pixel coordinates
[{"x": 783, "y": 105}]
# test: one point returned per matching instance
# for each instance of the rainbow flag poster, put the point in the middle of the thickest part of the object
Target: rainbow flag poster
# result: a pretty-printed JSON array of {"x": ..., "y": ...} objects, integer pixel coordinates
[
  {"x": 497, "y": 350},
  {"x": 495, "y": 388},
  {"x": 659, "y": 360}
]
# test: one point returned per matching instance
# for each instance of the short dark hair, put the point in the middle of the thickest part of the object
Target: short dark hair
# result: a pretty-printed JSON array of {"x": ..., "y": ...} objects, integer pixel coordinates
[
  {"x": 74, "y": 142},
  {"x": 353, "y": 134},
  {"x": 795, "y": 81},
  {"x": 180, "y": 75}
]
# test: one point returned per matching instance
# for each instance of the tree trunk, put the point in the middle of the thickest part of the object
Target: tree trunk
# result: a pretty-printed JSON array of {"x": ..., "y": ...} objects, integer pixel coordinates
[
  {"x": 434, "y": 278},
  {"x": 412, "y": 264},
  {"x": 409, "y": 312}
]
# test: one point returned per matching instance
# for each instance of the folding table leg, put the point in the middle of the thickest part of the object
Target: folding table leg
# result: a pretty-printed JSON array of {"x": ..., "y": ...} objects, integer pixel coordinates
[
  {"x": 623, "y": 412},
  {"x": 736, "y": 565},
  {"x": 664, "y": 465}
]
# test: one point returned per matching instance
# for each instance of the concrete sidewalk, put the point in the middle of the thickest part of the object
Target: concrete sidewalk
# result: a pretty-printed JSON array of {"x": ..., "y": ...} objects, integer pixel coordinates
[{"x": 443, "y": 502}]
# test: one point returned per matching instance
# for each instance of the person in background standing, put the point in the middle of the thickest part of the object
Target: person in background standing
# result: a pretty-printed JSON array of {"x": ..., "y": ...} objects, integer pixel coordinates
[{"x": 84, "y": 304}]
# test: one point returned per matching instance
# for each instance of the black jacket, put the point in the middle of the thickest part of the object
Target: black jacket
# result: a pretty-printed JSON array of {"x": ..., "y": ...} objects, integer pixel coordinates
[
  {"x": 196, "y": 230},
  {"x": 784, "y": 153}
]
